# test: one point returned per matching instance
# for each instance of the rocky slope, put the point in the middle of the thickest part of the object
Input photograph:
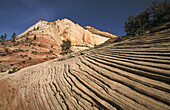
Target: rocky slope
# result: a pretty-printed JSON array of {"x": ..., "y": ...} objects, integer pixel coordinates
[
  {"x": 133, "y": 74},
  {"x": 41, "y": 42},
  {"x": 62, "y": 29},
  {"x": 98, "y": 32}
]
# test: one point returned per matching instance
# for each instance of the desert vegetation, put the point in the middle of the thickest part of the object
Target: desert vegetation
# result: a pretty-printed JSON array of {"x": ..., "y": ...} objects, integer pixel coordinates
[
  {"x": 24, "y": 52},
  {"x": 13, "y": 37},
  {"x": 66, "y": 45},
  {"x": 156, "y": 15}
]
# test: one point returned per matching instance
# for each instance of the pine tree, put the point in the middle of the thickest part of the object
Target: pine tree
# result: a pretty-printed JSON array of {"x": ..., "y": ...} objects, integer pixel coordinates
[
  {"x": 160, "y": 12},
  {"x": 157, "y": 14},
  {"x": 3, "y": 37},
  {"x": 66, "y": 45},
  {"x": 13, "y": 37}
]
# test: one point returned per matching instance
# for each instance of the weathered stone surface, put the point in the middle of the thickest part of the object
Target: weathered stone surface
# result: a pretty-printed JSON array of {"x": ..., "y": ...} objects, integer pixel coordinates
[
  {"x": 128, "y": 75},
  {"x": 62, "y": 29},
  {"x": 41, "y": 42},
  {"x": 98, "y": 32}
]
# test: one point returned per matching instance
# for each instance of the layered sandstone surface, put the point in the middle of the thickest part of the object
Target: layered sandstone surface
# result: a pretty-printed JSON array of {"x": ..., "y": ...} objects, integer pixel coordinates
[
  {"x": 133, "y": 74},
  {"x": 41, "y": 42}
]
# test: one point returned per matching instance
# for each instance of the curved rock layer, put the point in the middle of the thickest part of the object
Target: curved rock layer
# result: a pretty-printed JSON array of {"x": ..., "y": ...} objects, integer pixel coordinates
[{"x": 129, "y": 75}]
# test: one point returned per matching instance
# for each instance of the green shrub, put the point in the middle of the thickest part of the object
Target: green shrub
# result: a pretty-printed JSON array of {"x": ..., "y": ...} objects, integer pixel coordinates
[
  {"x": 35, "y": 37},
  {"x": 6, "y": 50},
  {"x": 66, "y": 45},
  {"x": 13, "y": 37},
  {"x": 27, "y": 38},
  {"x": 3, "y": 54},
  {"x": 23, "y": 61},
  {"x": 13, "y": 70},
  {"x": 157, "y": 14},
  {"x": 50, "y": 51}
]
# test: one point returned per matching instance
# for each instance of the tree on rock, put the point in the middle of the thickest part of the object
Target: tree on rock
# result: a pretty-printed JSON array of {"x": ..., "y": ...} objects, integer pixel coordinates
[
  {"x": 13, "y": 37},
  {"x": 157, "y": 14},
  {"x": 35, "y": 37},
  {"x": 66, "y": 45},
  {"x": 3, "y": 37},
  {"x": 160, "y": 12}
]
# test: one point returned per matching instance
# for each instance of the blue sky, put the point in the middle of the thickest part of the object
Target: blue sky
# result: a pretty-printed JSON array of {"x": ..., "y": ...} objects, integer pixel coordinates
[{"x": 107, "y": 15}]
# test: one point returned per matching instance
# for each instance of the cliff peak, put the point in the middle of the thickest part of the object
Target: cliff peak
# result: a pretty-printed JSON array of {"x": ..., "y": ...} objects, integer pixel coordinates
[{"x": 41, "y": 42}]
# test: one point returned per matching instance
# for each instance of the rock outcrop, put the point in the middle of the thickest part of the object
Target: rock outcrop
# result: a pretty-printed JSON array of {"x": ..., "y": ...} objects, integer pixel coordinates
[
  {"x": 41, "y": 42},
  {"x": 98, "y": 32},
  {"x": 65, "y": 29},
  {"x": 133, "y": 74}
]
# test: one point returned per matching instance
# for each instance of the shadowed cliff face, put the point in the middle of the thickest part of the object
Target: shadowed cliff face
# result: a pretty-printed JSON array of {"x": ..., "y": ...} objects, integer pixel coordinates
[
  {"x": 133, "y": 74},
  {"x": 41, "y": 42}
]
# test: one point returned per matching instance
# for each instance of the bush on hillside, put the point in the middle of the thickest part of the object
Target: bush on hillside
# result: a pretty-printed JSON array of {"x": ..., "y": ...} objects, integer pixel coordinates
[
  {"x": 30, "y": 58},
  {"x": 3, "y": 37},
  {"x": 13, "y": 37},
  {"x": 66, "y": 45},
  {"x": 6, "y": 50},
  {"x": 35, "y": 37},
  {"x": 13, "y": 70}
]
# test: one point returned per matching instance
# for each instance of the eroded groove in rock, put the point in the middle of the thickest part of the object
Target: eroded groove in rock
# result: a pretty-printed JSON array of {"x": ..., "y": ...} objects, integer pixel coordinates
[
  {"x": 131, "y": 74},
  {"x": 112, "y": 76}
]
